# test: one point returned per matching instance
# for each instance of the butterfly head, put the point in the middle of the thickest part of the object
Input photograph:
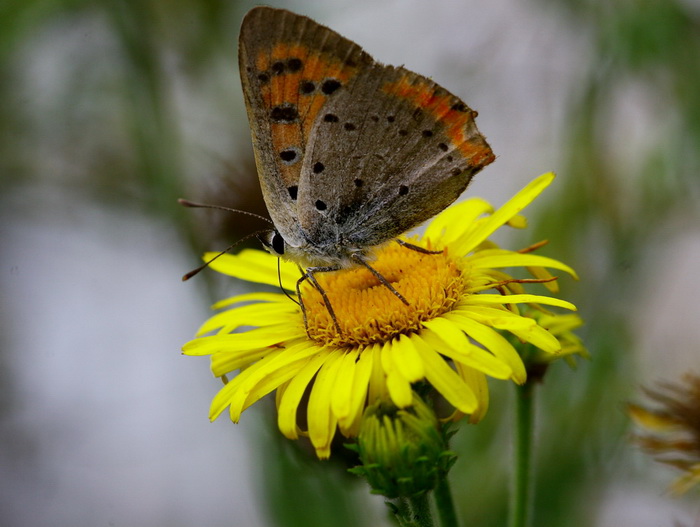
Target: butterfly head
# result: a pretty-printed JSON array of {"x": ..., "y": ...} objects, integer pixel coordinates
[
  {"x": 272, "y": 241},
  {"x": 338, "y": 255}
]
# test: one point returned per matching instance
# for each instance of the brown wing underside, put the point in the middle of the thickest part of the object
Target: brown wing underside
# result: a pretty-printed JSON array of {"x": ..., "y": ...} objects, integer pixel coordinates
[
  {"x": 290, "y": 66},
  {"x": 349, "y": 150}
]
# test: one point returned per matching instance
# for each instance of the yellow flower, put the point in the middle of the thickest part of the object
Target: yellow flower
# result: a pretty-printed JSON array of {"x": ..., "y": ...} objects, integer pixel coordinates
[
  {"x": 560, "y": 326},
  {"x": 460, "y": 300},
  {"x": 671, "y": 430}
]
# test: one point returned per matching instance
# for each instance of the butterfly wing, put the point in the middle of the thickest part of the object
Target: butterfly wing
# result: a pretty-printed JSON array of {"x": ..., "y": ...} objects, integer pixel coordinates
[
  {"x": 290, "y": 68},
  {"x": 395, "y": 149}
]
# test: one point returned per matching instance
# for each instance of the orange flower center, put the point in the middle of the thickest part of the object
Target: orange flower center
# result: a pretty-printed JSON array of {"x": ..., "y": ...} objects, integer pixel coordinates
[{"x": 367, "y": 311}]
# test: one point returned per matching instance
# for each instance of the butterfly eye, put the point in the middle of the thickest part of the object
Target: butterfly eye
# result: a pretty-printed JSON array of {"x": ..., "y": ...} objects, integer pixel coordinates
[{"x": 278, "y": 243}]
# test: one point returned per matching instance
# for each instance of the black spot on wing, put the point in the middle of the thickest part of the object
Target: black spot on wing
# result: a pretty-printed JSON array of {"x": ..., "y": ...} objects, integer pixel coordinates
[
  {"x": 330, "y": 86},
  {"x": 278, "y": 68},
  {"x": 289, "y": 156},
  {"x": 284, "y": 113},
  {"x": 307, "y": 87},
  {"x": 294, "y": 64}
]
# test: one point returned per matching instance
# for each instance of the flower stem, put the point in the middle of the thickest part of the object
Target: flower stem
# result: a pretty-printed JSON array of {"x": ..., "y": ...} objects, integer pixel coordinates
[
  {"x": 402, "y": 511},
  {"x": 420, "y": 510},
  {"x": 444, "y": 503},
  {"x": 521, "y": 488}
]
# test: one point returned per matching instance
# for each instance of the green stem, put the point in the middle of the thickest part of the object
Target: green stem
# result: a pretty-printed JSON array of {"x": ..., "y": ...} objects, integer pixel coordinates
[
  {"x": 420, "y": 509},
  {"x": 444, "y": 503},
  {"x": 402, "y": 512},
  {"x": 521, "y": 489}
]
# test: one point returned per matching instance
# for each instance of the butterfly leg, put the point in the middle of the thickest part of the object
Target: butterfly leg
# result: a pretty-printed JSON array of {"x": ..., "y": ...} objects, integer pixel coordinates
[
  {"x": 301, "y": 300},
  {"x": 416, "y": 247},
  {"x": 309, "y": 275},
  {"x": 378, "y": 276}
]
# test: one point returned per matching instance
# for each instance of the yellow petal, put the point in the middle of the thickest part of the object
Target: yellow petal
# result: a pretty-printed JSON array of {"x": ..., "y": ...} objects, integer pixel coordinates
[
  {"x": 398, "y": 386},
  {"x": 543, "y": 274},
  {"x": 406, "y": 360},
  {"x": 377, "y": 380},
  {"x": 489, "y": 299},
  {"x": 651, "y": 420},
  {"x": 498, "y": 258},
  {"x": 453, "y": 222},
  {"x": 322, "y": 422},
  {"x": 358, "y": 394},
  {"x": 477, "y": 381},
  {"x": 518, "y": 222},
  {"x": 223, "y": 398},
  {"x": 687, "y": 480},
  {"x": 342, "y": 391},
  {"x": 256, "y": 266},
  {"x": 447, "y": 339},
  {"x": 492, "y": 341},
  {"x": 524, "y": 328},
  {"x": 289, "y": 402},
  {"x": 256, "y": 338},
  {"x": 399, "y": 389},
  {"x": 444, "y": 379},
  {"x": 258, "y": 315},
  {"x": 223, "y": 363},
  {"x": 278, "y": 370},
  {"x": 512, "y": 207},
  {"x": 250, "y": 297}
]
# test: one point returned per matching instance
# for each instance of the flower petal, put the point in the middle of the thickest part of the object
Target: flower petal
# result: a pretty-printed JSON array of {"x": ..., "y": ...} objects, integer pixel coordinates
[
  {"x": 226, "y": 362},
  {"x": 289, "y": 402},
  {"x": 498, "y": 258},
  {"x": 447, "y": 339},
  {"x": 524, "y": 328},
  {"x": 322, "y": 422},
  {"x": 250, "y": 297},
  {"x": 256, "y": 266},
  {"x": 454, "y": 221},
  {"x": 444, "y": 379},
  {"x": 342, "y": 391},
  {"x": 490, "y": 299},
  {"x": 377, "y": 384},
  {"x": 543, "y": 273},
  {"x": 223, "y": 398},
  {"x": 398, "y": 386},
  {"x": 255, "y": 338},
  {"x": 258, "y": 315},
  {"x": 492, "y": 341},
  {"x": 512, "y": 207},
  {"x": 406, "y": 360},
  {"x": 350, "y": 426},
  {"x": 276, "y": 372},
  {"x": 477, "y": 381}
]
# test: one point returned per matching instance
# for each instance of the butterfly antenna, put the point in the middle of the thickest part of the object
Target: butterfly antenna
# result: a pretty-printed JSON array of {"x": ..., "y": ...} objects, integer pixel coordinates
[
  {"x": 208, "y": 262},
  {"x": 194, "y": 205}
]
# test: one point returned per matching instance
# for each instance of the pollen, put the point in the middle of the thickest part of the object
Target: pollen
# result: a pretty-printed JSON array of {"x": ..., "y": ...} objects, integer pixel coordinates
[{"x": 368, "y": 312}]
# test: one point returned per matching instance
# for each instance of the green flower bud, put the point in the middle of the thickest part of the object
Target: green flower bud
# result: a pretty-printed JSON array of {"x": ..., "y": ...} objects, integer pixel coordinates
[{"x": 403, "y": 451}]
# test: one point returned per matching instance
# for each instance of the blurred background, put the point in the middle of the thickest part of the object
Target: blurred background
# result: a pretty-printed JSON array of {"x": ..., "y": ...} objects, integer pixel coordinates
[{"x": 110, "y": 110}]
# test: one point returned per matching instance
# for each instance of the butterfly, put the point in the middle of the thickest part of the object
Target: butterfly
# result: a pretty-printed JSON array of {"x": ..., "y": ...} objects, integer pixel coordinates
[{"x": 350, "y": 153}]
